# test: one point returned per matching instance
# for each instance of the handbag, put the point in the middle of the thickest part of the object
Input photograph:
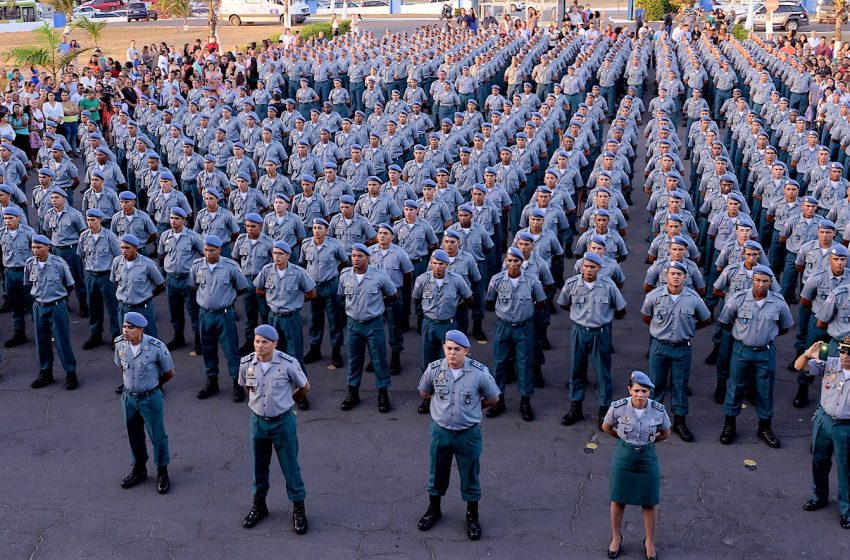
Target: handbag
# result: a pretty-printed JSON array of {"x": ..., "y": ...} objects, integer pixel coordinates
[{"x": 35, "y": 140}]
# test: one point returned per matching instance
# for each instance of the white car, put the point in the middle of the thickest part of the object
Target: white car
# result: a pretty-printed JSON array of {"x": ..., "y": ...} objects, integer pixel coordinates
[
  {"x": 238, "y": 12},
  {"x": 85, "y": 11}
]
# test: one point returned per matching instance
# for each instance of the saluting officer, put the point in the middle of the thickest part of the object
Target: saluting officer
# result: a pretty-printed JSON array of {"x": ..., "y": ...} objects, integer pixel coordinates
[
  {"x": 439, "y": 293},
  {"x": 137, "y": 281},
  {"x": 50, "y": 283},
  {"x": 755, "y": 317},
  {"x": 285, "y": 287},
  {"x": 593, "y": 303},
  {"x": 832, "y": 426},
  {"x": 98, "y": 247},
  {"x": 366, "y": 291},
  {"x": 178, "y": 249},
  {"x": 513, "y": 295},
  {"x": 16, "y": 241},
  {"x": 146, "y": 366},
  {"x": 217, "y": 281},
  {"x": 456, "y": 388},
  {"x": 274, "y": 381},
  {"x": 673, "y": 312}
]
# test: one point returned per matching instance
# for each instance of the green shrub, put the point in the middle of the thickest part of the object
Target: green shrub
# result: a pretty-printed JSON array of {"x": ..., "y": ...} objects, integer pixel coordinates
[
  {"x": 313, "y": 29},
  {"x": 740, "y": 32},
  {"x": 654, "y": 10}
]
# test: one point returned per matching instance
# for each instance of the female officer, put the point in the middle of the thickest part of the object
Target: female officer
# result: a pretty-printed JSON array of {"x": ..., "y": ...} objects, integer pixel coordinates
[{"x": 637, "y": 422}]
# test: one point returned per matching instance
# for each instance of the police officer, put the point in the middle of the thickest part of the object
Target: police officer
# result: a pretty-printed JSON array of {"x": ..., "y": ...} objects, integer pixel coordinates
[
  {"x": 638, "y": 423},
  {"x": 673, "y": 312},
  {"x": 274, "y": 382},
  {"x": 593, "y": 302},
  {"x": 16, "y": 241},
  {"x": 178, "y": 248},
  {"x": 366, "y": 290},
  {"x": 832, "y": 426},
  {"x": 253, "y": 250},
  {"x": 217, "y": 281},
  {"x": 285, "y": 286},
  {"x": 131, "y": 220},
  {"x": 755, "y": 317},
  {"x": 50, "y": 282},
  {"x": 137, "y": 281},
  {"x": 321, "y": 257},
  {"x": 63, "y": 224},
  {"x": 509, "y": 294},
  {"x": 98, "y": 247},
  {"x": 146, "y": 366},
  {"x": 456, "y": 388}
]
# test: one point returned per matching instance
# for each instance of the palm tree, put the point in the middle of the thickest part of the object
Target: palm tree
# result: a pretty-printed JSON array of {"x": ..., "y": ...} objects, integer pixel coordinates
[
  {"x": 44, "y": 53},
  {"x": 213, "y": 8},
  {"x": 94, "y": 29},
  {"x": 840, "y": 8},
  {"x": 177, "y": 9}
]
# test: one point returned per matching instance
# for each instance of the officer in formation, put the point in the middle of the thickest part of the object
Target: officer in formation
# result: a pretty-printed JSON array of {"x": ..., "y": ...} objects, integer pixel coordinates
[
  {"x": 16, "y": 241},
  {"x": 274, "y": 381},
  {"x": 456, "y": 388},
  {"x": 146, "y": 366},
  {"x": 831, "y": 424}
]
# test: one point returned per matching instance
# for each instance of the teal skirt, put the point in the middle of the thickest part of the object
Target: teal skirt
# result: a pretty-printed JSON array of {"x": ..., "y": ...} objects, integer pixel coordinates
[{"x": 635, "y": 477}]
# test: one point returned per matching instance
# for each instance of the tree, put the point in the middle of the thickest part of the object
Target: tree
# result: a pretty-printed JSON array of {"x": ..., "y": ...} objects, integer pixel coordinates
[
  {"x": 94, "y": 29},
  {"x": 213, "y": 8},
  {"x": 63, "y": 7},
  {"x": 840, "y": 8},
  {"x": 177, "y": 9},
  {"x": 44, "y": 53}
]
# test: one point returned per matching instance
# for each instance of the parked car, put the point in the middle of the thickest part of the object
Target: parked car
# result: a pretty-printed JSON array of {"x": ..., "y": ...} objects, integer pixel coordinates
[
  {"x": 374, "y": 3},
  {"x": 825, "y": 12},
  {"x": 140, "y": 11},
  {"x": 85, "y": 12},
  {"x": 105, "y": 5},
  {"x": 238, "y": 12},
  {"x": 789, "y": 17}
]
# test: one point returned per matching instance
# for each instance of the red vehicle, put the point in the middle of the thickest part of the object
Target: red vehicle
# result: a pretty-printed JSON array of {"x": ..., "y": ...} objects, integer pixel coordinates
[{"x": 104, "y": 5}]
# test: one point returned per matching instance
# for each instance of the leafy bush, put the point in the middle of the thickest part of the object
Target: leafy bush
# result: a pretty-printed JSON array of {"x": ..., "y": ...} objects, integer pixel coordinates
[
  {"x": 740, "y": 32},
  {"x": 654, "y": 10},
  {"x": 314, "y": 29}
]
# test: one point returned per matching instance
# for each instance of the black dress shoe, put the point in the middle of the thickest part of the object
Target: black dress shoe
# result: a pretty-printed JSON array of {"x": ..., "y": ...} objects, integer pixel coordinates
[
  {"x": 383, "y": 401},
  {"x": 801, "y": 399},
  {"x": 814, "y": 505},
  {"x": 612, "y": 554},
  {"x": 162, "y": 482},
  {"x": 258, "y": 512},
  {"x": 473, "y": 528},
  {"x": 314, "y": 355},
  {"x": 92, "y": 342},
  {"x": 136, "y": 476},
  {"x": 44, "y": 379},
  {"x": 424, "y": 407},
  {"x": 16, "y": 340},
  {"x": 429, "y": 519},
  {"x": 303, "y": 404},
  {"x": 71, "y": 382},
  {"x": 845, "y": 522},
  {"x": 574, "y": 415},
  {"x": 765, "y": 433},
  {"x": 299, "y": 520},
  {"x": 177, "y": 342},
  {"x": 525, "y": 409},
  {"x": 351, "y": 400},
  {"x": 238, "y": 392},
  {"x": 497, "y": 409},
  {"x": 210, "y": 389},
  {"x": 727, "y": 435}
]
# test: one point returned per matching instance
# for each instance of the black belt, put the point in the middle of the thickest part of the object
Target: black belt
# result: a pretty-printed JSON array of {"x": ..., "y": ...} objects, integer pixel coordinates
[
  {"x": 419, "y": 260},
  {"x": 636, "y": 448},
  {"x": 273, "y": 418},
  {"x": 835, "y": 421},
  {"x": 98, "y": 272},
  {"x": 15, "y": 268},
  {"x": 516, "y": 325},
  {"x": 367, "y": 321},
  {"x": 325, "y": 283},
  {"x": 754, "y": 348},
  {"x": 589, "y": 329},
  {"x": 221, "y": 311},
  {"x": 440, "y": 321},
  {"x": 287, "y": 314},
  {"x": 141, "y": 305},
  {"x": 53, "y": 303},
  {"x": 72, "y": 246},
  {"x": 141, "y": 394},
  {"x": 178, "y": 276},
  {"x": 673, "y": 344}
]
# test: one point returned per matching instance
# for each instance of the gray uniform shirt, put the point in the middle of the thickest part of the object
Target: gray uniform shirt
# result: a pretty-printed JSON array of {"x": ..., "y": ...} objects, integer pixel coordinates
[
  {"x": 272, "y": 386},
  {"x": 633, "y": 429},
  {"x": 140, "y": 371},
  {"x": 674, "y": 319},
  {"x": 456, "y": 401}
]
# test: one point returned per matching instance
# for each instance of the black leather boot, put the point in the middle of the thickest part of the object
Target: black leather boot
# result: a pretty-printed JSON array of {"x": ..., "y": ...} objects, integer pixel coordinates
[
  {"x": 473, "y": 527},
  {"x": 383, "y": 401},
  {"x": 525, "y": 409},
  {"x": 44, "y": 379},
  {"x": 477, "y": 331},
  {"x": 539, "y": 382},
  {"x": 93, "y": 342},
  {"x": 574, "y": 415},
  {"x": 210, "y": 389},
  {"x": 727, "y": 435},
  {"x": 681, "y": 428},
  {"x": 258, "y": 512},
  {"x": 801, "y": 399},
  {"x": 432, "y": 514},
  {"x": 238, "y": 391},
  {"x": 17, "y": 339},
  {"x": 177, "y": 342},
  {"x": 137, "y": 475},
  {"x": 497, "y": 409},
  {"x": 352, "y": 399},
  {"x": 711, "y": 359},
  {"x": 720, "y": 390},
  {"x": 84, "y": 309},
  {"x": 162, "y": 481},
  {"x": 337, "y": 357},
  {"x": 71, "y": 382},
  {"x": 314, "y": 355},
  {"x": 395, "y": 363},
  {"x": 299, "y": 518},
  {"x": 765, "y": 432}
]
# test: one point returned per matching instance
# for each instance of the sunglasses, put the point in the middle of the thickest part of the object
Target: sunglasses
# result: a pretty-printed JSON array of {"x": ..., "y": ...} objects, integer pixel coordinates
[{"x": 843, "y": 350}]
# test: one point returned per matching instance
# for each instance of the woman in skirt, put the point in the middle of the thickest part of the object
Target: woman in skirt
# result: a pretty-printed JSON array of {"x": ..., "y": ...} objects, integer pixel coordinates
[{"x": 638, "y": 423}]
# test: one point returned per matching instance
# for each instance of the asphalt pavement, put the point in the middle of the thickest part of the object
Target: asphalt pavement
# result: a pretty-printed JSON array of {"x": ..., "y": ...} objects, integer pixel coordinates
[{"x": 545, "y": 487}]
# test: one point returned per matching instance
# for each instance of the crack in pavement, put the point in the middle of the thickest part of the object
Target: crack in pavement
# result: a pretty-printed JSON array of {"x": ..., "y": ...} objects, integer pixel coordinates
[
  {"x": 716, "y": 514},
  {"x": 579, "y": 499}
]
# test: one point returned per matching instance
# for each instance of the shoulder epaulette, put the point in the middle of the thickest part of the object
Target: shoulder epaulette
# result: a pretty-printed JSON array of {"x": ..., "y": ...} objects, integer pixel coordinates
[
  {"x": 657, "y": 405},
  {"x": 619, "y": 403},
  {"x": 477, "y": 365},
  {"x": 247, "y": 359}
]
